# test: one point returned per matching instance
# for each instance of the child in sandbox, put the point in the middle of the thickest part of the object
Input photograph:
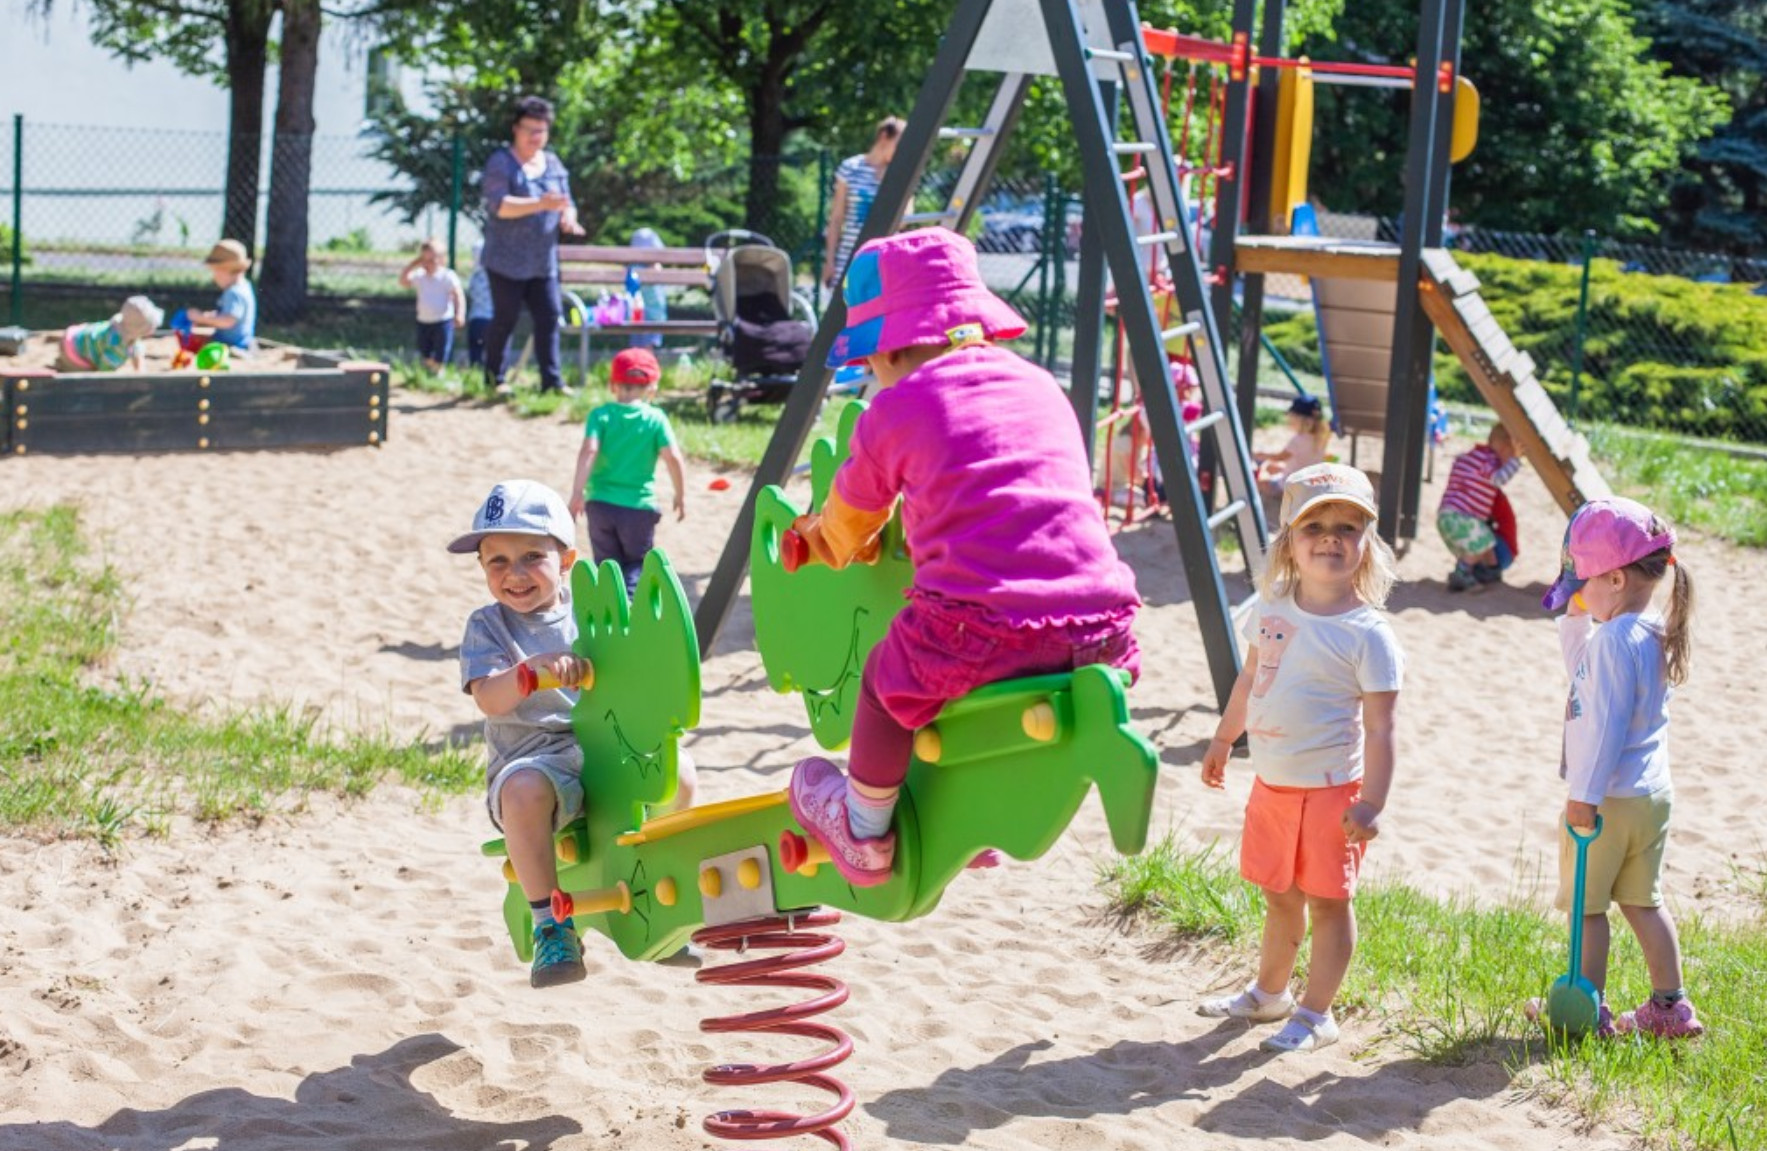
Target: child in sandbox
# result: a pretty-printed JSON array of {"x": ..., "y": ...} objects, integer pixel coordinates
[
  {"x": 524, "y": 537},
  {"x": 1014, "y": 570},
  {"x": 109, "y": 344},
  {"x": 235, "y": 315}
]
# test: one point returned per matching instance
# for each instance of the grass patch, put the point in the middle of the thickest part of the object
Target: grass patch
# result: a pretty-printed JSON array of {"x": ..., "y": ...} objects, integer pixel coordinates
[
  {"x": 1446, "y": 979},
  {"x": 1709, "y": 489},
  {"x": 86, "y": 753}
]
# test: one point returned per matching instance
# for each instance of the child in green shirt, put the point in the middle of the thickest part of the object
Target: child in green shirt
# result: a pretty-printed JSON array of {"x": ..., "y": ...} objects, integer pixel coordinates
[{"x": 615, "y": 484}]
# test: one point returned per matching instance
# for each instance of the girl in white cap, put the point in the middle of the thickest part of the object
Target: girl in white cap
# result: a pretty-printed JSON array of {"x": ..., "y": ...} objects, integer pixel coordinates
[{"x": 1317, "y": 696}]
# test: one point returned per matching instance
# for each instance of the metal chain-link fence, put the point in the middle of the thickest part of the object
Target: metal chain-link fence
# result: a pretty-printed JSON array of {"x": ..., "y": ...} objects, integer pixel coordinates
[{"x": 1621, "y": 333}]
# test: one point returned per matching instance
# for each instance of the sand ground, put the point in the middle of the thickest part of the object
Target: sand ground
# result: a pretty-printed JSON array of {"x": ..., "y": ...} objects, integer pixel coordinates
[{"x": 338, "y": 977}]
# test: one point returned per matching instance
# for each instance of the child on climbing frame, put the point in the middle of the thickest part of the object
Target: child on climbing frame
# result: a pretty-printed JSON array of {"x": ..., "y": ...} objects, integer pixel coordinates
[
  {"x": 524, "y": 537},
  {"x": 1014, "y": 572},
  {"x": 1317, "y": 696}
]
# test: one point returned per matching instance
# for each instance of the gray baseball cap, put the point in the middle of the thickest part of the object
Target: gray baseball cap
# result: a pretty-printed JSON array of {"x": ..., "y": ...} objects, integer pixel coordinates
[{"x": 523, "y": 508}]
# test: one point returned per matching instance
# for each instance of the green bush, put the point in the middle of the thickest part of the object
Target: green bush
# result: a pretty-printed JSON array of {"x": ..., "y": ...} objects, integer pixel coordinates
[
  {"x": 1658, "y": 351},
  {"x": 6, "y": 247}
]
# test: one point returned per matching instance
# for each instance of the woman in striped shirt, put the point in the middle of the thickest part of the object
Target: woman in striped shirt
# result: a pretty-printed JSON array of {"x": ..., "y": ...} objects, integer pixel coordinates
[{"x": 855, "y": 187}]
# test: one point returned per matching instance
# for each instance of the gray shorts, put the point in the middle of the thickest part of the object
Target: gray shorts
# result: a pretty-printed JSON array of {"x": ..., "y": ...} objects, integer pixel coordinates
[{"x": 565, "y": 775}]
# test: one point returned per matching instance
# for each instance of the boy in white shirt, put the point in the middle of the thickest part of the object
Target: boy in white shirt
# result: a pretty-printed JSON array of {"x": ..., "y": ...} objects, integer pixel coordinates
[{"x": 441, "y": 303}]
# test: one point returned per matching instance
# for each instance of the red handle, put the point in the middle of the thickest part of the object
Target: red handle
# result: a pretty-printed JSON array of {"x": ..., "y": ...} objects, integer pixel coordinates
[
  {"x": 562, "y": 905},
  {"x": 794, "y": 553},
  {"x": 526, "y": 680}
]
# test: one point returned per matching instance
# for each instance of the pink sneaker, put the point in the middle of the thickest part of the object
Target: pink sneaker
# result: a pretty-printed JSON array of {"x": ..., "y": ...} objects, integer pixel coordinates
[
  {"x": 819, "y": 804},
  {"x": 1675, "y": 1022},
  {"x": 985, "y": 858}
]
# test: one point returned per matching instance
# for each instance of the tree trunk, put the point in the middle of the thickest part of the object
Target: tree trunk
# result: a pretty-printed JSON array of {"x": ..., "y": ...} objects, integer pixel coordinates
[
  {"x": 283, "y": 285},
  {"x": 248, "y": 53},
  {"x": 767, "y": 131}
]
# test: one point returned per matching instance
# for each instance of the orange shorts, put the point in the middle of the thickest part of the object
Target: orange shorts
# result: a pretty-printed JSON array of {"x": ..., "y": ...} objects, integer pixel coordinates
[{"x": 1294, "y": 837}]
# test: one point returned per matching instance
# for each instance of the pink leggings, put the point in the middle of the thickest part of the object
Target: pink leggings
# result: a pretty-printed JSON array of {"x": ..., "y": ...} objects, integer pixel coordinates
[{"x": 938, "y": 650}]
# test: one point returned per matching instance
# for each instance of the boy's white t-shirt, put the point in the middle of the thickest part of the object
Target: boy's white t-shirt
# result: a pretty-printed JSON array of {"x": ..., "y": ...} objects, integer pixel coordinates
[
  {"x": 435, "y": 294},
  {"x": 1304, "y": 714}
]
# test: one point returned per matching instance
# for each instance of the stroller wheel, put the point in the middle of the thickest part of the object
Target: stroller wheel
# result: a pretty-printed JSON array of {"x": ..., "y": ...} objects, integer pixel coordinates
[{"x": 723, "y": 404}]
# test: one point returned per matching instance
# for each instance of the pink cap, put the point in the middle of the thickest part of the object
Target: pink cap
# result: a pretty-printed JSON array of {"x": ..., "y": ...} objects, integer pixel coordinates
[
  {"x": 1603, "y": 536},
  {"x": 918, "y": 288}
]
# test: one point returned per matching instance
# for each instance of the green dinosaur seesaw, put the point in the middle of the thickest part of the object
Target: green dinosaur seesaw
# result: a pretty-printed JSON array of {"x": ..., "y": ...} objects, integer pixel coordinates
[{"x": 1006, "y": 766}]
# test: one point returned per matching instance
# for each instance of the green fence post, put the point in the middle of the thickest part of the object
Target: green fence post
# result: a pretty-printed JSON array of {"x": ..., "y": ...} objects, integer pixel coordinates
[
  {"x": 456, "y": 186},
  {"x": 816, "y": 268},
  {"x": 18, "y": 214},
  {"x": 1582, "y": 326}
]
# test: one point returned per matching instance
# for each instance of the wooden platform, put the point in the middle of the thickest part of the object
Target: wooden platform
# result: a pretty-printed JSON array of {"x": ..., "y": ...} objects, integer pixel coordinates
[
  {"x": 325, "y": 402},
  {"x": 1356, "y": 332}
]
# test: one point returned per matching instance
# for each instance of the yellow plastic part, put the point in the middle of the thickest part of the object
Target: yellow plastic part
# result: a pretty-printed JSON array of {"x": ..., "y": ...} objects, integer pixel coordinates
[
  {"x": 677, "y": 822},
  {"x": 616, "y": 898},
  {"x": 567, "y": 849},
  {"x": 1466, "y": 120},
  {"x": 1039, "y": 721},
  {"x": 711, "y": 883},
  {"x": 509, "y": 870},
  {"x": 927, "y": 745},
  {"x": 1294, "y": 146},
  {"x": 748, "y": 874},
  {"x": 665, "y": 891}
]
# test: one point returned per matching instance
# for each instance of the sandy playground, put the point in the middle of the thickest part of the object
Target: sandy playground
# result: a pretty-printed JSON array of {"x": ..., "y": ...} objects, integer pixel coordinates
[{"x": 339, "y": 978}]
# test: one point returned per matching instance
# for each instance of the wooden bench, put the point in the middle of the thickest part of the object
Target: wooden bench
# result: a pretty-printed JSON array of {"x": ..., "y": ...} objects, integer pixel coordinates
[{"x": 600, "y": 266}]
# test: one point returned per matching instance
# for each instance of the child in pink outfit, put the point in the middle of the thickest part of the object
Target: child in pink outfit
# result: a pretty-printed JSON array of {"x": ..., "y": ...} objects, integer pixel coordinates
[{"x": 1014, "y": 571}]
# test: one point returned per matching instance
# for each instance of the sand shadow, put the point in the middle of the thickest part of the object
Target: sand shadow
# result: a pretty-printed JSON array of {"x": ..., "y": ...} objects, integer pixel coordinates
[
  {"x": 1520, "y": 600},
  {"x": 1127, "y": 1077},
  {"x": 371, "y": 1105},
  {"x": 423, "y": 652}
]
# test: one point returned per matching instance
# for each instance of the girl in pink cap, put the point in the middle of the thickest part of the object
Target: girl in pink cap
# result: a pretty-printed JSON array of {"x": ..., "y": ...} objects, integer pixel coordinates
[
  {"x": 1616, "y": 745},
  {"x": 1014, "y": 571}
]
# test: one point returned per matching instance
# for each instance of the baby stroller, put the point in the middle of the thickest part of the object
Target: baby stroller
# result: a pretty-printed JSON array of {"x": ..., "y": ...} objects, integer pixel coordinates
[{"x": 765, "y": 324}]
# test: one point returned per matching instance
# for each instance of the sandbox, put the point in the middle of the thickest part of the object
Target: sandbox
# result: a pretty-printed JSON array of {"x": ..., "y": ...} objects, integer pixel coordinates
[{"x": 279, "y": 397}]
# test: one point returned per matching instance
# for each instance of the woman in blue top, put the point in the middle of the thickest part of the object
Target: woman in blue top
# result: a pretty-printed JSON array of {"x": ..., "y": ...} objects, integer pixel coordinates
[{"x": 527, "y": 204}]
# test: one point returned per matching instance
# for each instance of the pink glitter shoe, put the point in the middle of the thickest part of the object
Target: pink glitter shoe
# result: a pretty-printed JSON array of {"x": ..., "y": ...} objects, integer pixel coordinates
[
  {"x": 819, "y": 804},
  {"x": 1676, "y": 1021}
]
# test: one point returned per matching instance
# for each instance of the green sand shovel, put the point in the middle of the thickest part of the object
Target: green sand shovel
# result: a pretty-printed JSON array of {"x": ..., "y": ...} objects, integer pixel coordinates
[{"x": 1574, "y": 1005}]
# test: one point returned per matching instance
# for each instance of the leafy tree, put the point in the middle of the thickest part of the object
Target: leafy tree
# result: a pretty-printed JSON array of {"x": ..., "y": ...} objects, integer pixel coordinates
[
  {"x": 283, "y": 282},
  {"x": 186, "y": 32},
  {"x": 1721, "y": 198},
  {"x": 1577, "y": 129}
]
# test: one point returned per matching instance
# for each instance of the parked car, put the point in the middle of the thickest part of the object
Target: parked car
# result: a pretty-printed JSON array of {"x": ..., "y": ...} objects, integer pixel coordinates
[{"x": 1018, "y": 227}]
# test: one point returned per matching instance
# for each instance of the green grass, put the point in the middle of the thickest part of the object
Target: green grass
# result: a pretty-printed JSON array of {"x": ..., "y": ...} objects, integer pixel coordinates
[
  {"x": 1445, "y": 979},
  {"x": 86, "y": 753},
  {"x": 1709, "y": 489}
]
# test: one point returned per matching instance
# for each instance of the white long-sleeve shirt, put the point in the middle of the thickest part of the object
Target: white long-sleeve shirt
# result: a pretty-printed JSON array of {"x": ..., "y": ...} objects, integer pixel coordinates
[{"x": 1617, "y": 716}]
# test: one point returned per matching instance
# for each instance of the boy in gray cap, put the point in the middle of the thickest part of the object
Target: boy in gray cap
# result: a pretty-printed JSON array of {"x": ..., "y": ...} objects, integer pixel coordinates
[{"x": 524, "y": 537}]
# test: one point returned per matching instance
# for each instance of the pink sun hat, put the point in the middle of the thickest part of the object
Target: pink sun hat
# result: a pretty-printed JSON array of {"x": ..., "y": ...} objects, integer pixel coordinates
[
  {"x": 919, "y": 288},
  {"x": 1605, "y": 535}
]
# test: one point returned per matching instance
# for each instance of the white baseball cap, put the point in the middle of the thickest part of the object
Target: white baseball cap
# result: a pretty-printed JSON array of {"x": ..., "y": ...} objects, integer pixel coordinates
[
  {"x": 1326, "y": 483},
  {"x": 523, "y": 508}
]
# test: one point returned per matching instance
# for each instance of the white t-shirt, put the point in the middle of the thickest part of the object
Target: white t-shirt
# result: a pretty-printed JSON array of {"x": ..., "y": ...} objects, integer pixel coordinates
[
  {"x": 1304, "y": 715},
  {"x": 1617, "y": 716},
  {"x": 435, "y": 294}
]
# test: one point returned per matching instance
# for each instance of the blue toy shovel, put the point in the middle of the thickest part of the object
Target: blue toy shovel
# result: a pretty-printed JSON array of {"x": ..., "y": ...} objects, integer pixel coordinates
[{"x": 1574, "y": 1005}]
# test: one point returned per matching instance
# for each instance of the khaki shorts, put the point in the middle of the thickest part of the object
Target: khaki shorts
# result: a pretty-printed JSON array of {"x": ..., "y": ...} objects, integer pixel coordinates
[
  {"x": 562, "y": 771},
  {"x": 1294, "y": 837},
  {"x": 1625, "y": 860}
]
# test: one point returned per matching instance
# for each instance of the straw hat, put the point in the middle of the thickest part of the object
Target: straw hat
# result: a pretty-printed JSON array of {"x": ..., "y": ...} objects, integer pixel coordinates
[{"x": 228, "y": 254}]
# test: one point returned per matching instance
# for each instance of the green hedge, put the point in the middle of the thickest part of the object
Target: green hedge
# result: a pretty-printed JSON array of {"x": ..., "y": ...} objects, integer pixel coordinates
[{"x": 1659, "y": 351}]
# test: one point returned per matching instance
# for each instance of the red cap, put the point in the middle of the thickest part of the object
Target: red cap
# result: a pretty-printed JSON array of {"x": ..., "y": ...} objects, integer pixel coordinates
[{"x": 635, "y": 367}]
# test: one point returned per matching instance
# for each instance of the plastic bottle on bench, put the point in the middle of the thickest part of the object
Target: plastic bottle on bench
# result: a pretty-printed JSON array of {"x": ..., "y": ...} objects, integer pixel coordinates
[{"x": 634, "y": 297}]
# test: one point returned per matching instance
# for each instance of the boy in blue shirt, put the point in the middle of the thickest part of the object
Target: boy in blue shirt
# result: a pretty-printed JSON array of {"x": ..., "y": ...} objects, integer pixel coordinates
[
  {"x": 615, "y": 486},
  {"x": 235, "y": 318}
]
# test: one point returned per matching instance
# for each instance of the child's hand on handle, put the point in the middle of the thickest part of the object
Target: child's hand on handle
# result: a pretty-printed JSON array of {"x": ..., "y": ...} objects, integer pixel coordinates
[
  {"x": 1215, "y": 762},
  {"x": 554, "y": 669},
  {"x": 804, "y": 542},
  {"x": 1361, "y": 822},
  {"x": 1580, "y": 816}
]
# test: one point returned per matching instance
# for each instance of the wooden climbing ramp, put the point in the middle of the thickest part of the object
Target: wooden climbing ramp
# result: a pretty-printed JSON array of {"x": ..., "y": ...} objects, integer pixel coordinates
[{"x": 1347, "y": 270}]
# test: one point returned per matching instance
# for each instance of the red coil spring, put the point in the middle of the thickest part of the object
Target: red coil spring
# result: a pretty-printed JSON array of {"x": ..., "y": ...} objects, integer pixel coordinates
[{"x": 804, "y": 949}]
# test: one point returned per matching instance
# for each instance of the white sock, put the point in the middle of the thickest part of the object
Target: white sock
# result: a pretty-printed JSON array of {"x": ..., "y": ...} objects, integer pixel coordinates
[
  {"x": 869, "y": 818},
  {"x": 542, "y": 909},
  {"x": 1265, "y": 998},
  {"x": 1313, "y": 1017}
]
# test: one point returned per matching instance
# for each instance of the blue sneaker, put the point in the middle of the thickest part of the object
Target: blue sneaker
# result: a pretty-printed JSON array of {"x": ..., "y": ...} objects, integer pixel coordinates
[{"x": 558, "y": 955}]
